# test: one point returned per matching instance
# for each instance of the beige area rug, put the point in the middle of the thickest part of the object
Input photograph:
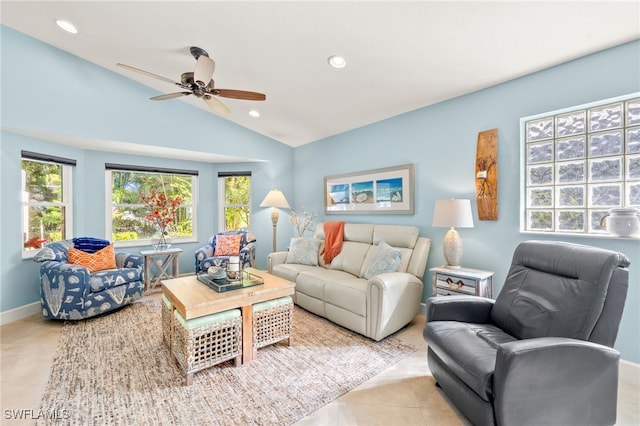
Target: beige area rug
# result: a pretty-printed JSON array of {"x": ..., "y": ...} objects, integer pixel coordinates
[{"x": 116, "y": 370}]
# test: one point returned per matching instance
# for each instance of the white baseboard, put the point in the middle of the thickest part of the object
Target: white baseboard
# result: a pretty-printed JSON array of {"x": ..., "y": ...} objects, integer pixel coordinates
[
  {"x": 628, "y": 371},
  {"x": 18, "y": 313}
]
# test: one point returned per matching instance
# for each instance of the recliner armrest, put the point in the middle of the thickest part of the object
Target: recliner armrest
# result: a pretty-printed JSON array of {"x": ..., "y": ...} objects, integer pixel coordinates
[
  {"x": 555, "y": 380},
  {"x": 275, "y": 258},
  {"x": 472, "y": 309}
]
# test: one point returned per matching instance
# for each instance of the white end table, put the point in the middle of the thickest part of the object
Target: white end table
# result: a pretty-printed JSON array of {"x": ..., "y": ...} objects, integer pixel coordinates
[{"x": 162, "y": 261}]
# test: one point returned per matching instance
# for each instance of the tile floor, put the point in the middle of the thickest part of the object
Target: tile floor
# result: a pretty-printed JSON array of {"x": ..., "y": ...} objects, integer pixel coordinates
[{"x": 404, "y": 394}]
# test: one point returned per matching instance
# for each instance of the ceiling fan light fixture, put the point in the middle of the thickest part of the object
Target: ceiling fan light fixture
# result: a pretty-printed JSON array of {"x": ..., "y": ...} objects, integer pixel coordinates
[
  {"x": 254, "y": 113},
  {"x": 337, "y": 61},
  {"x": 67, "y": 26}
]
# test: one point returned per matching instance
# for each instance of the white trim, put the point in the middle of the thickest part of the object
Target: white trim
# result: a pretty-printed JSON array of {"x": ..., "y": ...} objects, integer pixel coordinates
[
  {"x": 629, "y": 372},
  {"x": 19, "y": 313}
]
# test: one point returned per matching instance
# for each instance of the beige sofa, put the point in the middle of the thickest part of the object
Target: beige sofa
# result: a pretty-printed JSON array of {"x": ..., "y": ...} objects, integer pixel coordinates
[{"x": 376, "y": 306}]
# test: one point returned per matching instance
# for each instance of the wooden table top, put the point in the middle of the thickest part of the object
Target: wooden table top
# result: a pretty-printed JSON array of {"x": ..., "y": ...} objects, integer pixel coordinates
[{"x": 194, "y": 299}]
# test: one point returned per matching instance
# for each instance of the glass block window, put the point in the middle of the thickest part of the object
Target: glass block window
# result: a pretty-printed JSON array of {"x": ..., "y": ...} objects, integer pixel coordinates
[{"x": 578, "y": 163}]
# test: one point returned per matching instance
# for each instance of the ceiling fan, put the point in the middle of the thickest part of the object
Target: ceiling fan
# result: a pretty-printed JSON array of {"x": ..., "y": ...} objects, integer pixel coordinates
[{"x": 200, "y": 84}]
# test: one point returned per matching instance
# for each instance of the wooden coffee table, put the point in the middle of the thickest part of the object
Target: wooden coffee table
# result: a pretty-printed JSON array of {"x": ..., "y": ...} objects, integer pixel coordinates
[{"x": 194, "y": 299}]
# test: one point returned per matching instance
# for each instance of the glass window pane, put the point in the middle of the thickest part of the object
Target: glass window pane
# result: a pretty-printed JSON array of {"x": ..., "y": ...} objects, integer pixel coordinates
[
  {"x": 571, "y": 220},
  {"x": 605, "y": 169},
  {"x": 571, "y": 172},
  {"x": 609, "y": 143},
  {"x": 42, "y": 181},
  {"x": 540, "y": 153},
  {"x": 540, "y": 197},
  {"x": 571, "y": 196},
  {"x": 540, "y": 220},
  {"x": 633, "y": 140},
  {"x": 633, "y": 194},
  {"x": 236, "y": 218},
  {"x": 570, "y": 124},
  {"x": 540, "y": 175},
  {"x": 605, "y": 117},
  {"x": 595, "y": 219},
  {"x": 45, "y": 225},
  {"x": 633, "y": 167},
  {"x": 571, "y": 148},
  {"x": 633, "y": 112},
  {"x": 540, "y": 129},
  {"x": 605, "y": 195}
]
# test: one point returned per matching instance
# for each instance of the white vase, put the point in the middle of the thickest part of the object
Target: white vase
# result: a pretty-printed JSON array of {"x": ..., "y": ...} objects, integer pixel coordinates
[{"x": 622, "y": 222}]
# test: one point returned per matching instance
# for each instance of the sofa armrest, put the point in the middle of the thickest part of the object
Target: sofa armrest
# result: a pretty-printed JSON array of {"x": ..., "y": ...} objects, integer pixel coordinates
[
  {"x": 555, "y": 380},
  {"x": 129, "y": 260},
  {"x": 203, "y": 253},
  {"x": 56, "y": 275},
  {"x": 248, "y": 252},
  {"x": 393, "y": 300},
  {"x": 462, "y": 308},
  {"x": 275, "y": 258}
]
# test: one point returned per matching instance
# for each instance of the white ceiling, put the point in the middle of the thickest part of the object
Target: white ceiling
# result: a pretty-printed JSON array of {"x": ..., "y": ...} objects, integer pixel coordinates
[{"x": 401, "y": 56}]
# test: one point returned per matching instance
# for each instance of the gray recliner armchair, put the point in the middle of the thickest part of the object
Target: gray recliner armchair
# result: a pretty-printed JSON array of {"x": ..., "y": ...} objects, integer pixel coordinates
[{"x": 542, "y": 352}]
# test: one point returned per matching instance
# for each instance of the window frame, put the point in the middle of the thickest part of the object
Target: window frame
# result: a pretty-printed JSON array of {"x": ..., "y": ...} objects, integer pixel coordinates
[
  {"x": 66, "y": 202},
  {"x": 222, "y": 199},
  {"x": 111, "y": 168},
  {"x": 585, "y": 161}
]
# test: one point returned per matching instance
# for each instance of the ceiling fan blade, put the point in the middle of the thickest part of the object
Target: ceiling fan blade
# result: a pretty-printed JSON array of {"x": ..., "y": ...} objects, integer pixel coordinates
[
  {"x": 217, "y": 106},
  {"x": 204, "y": 70},
  {"x": 240, "y": 94},
  {"x": 150, "y": 74},
  {"x": 170, "y": 96}
]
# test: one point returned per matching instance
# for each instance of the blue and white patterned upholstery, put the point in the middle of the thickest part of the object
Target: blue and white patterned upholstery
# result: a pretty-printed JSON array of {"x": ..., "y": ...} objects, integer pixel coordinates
[
  {"x": 205, "y": 258},
  {"x": 71, "y": 292}
]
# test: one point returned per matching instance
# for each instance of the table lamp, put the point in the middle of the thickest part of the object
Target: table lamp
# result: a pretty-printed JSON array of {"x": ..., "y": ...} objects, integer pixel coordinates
[
  {"x": 453, "y": 213},
  {"x": 276, "y": 200}
]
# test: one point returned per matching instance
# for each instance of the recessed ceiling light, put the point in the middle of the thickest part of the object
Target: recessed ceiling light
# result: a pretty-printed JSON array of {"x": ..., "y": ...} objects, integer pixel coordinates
[
  {"x": 337, "y": 61},
  {"x": 254, "y": 113},
  {"x": 67, "y": 26}
]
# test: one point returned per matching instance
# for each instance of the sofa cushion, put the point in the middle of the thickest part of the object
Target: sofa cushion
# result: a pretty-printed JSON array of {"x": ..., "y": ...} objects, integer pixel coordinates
[
  {"x": 110, "y": 278},
  {"x": 351, "y": 257},
  {"x": 290, "y": 271},
  {"x": 303, "y": 251},
  {"x": 472, "y": 359},
  {"x": 347, "y": 293},
  {"x": 312, "y": 282},
  {"x": 396, "y": 235},
  {"x": 380, "y": 259}
]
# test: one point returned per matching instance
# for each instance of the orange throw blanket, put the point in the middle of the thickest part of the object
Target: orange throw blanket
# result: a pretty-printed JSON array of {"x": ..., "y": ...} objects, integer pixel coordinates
[{"x": 333, "y": 237}]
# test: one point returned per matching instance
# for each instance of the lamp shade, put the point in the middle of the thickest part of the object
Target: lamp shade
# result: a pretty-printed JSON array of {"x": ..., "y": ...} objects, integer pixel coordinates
[
  {"x": 453, "y": 213},
  {"x": 275, "y": 198}
]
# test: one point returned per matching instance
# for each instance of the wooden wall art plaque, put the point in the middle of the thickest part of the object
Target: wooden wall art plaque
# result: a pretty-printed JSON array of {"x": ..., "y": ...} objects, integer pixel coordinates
[{"x": 487, "y": 175}]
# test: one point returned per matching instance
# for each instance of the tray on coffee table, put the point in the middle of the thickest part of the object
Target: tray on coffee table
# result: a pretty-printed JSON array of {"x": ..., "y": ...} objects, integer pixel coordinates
[{"x": 224, "y": 284}]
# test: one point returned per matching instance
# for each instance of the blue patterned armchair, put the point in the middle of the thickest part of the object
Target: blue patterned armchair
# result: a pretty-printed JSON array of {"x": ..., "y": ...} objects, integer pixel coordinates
[
  {"x": 71, "y": 292},
  {"x": 206, "y": 256}
]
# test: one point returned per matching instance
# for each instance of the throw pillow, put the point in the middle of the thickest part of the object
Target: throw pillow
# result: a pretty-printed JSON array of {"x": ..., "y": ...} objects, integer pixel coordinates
[
  {"x": 89, "y": 244},
  {"x": 304, "y": 251},
  {"x": 385, "y": 259},
  {"x": 227, "y": 245},
  {"x": 98, "y": 261}
]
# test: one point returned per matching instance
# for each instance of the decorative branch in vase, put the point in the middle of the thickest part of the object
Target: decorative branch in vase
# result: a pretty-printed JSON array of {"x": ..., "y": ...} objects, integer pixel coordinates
[
  {"x": 162, "y": 212},
  {"x": 303, "y": 221}
]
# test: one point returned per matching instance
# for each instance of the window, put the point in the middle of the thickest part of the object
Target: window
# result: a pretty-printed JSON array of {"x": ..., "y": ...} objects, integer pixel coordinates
[
  {"x": 235, "y": 201},
  {"x": 46, "y": 200},
  {"x": 126, "y": 211},
  {"x": 578, "y": 163}
]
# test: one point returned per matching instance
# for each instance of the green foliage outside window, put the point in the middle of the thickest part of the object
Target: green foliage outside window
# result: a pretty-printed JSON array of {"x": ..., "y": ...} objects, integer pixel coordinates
[
  {"x": 237, "y": 210},
  {"x": 128, "y": 211}
]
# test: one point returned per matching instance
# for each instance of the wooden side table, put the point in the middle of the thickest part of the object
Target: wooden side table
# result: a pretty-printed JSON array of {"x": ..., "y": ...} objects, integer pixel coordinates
[
  {"x": 161, "y": 260},
  {"x": 475, "y": 282}
]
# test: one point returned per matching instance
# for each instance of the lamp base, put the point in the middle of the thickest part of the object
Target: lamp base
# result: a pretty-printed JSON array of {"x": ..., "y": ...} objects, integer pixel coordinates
[{"x": 452, "y": 249}]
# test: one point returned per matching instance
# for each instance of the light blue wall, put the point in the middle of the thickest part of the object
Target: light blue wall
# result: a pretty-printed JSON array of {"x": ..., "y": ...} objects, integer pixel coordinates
[
  {"x": 47, "y": 90},
  {"x": 441, "y": 141},
  {"x": 72, "y": 97}
]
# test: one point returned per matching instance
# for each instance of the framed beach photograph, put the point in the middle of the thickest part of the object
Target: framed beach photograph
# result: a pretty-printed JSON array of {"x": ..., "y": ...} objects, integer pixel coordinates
[{"x": 379, "y": 191}]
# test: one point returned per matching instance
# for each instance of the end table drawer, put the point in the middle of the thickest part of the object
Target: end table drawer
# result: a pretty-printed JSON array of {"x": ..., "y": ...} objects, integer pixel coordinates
[
  {"x": 456, "y": 284},
  {"x": 444, "y": 292}
]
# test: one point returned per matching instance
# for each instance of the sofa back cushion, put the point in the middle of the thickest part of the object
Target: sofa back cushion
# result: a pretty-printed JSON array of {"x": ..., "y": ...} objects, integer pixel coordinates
[
  {"x": 351, "y": 258},
  {"x": 555, "y": 289}
]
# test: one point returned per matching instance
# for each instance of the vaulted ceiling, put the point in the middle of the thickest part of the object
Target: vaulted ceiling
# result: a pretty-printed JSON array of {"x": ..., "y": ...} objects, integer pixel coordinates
[{"x": 400, "y": 56}]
